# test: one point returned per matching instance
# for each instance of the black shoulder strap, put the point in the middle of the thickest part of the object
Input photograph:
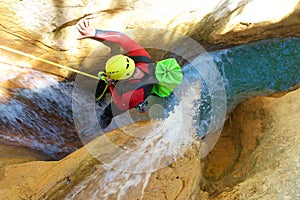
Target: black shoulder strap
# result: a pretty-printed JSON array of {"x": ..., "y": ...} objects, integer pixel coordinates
[
  {"x": 145, "y": 59},
  {"x": 146, "y": 82},
  {"x": 138, "y": 59}
]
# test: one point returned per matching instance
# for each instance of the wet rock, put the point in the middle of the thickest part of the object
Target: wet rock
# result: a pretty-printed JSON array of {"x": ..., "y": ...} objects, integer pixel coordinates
[
  {"x": 255, "y": 158},
  {"x": 261, "y": 137},
  {"x": 257, "y": 154},
  {"x": 180, "y": 180},
  {"x": 55, "y": 179}
]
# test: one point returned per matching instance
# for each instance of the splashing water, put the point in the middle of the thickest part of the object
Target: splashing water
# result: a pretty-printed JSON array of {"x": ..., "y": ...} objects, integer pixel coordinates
[
  {"x": 38, "y": 115},
  {"x": 41, "y": 117},
  {"x": 160, "y": 145}
]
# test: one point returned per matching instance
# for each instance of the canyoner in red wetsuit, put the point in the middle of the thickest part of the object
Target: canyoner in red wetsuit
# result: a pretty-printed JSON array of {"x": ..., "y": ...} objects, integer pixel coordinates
[{"x": 129, "y": 78}]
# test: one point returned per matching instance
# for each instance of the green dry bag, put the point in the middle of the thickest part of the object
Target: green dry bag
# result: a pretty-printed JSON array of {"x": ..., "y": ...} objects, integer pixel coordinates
[{"x": 169, "y": 75}]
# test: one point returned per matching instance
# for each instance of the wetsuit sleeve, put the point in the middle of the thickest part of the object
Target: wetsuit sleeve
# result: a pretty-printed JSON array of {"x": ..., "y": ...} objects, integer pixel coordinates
[
  {"x": 127, "y": 100},
  {"x": 129, "y": 45}
]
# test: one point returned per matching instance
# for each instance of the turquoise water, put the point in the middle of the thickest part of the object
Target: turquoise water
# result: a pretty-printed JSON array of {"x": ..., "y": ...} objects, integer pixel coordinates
[
  {"x": 42, "y": 119},
  {"x": 255, "y": 69},
  {"x": 259, "y": 68}
]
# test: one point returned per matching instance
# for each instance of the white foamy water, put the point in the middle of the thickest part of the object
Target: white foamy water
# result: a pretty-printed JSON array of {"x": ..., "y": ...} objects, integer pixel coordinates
[
  {"x": 160, "y": 145},
  {"x": 23, "y": 75},
  {"x": 38, "y": 113}
]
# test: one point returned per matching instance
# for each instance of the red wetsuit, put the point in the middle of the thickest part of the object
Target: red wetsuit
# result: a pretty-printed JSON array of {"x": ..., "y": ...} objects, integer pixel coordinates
[{"x": 135, "y": 91}]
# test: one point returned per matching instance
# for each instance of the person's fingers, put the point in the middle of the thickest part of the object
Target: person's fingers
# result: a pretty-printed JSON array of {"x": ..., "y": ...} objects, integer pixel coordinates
[
  {"x": 81, "y": 25},
  {"x": 80, "y": 29},
  {"x": 78, "y": 26},
  {"x": 85, "y": 22}
]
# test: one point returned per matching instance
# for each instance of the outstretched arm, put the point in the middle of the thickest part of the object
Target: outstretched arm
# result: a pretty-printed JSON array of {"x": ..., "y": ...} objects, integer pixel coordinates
[{"x": 129, "y": 45}]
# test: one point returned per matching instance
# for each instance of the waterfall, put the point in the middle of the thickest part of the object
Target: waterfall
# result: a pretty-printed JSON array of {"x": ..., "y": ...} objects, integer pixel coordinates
[{"x": 152, "y": 148}]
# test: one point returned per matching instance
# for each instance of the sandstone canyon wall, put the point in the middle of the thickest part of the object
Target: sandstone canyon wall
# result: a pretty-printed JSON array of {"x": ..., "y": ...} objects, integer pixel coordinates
[{"x": 261, "y": 137}]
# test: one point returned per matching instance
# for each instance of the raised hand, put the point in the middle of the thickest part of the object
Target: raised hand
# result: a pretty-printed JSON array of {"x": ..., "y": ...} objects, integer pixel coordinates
[{"x": 85, "y": 30}]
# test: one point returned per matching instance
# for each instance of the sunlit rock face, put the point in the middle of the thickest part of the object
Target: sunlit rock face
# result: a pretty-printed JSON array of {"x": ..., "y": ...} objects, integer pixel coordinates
[
  {"x": 257, "y": 154},
  {"x": 46, "y": 28},
  {"x": 257, "y": 20}
]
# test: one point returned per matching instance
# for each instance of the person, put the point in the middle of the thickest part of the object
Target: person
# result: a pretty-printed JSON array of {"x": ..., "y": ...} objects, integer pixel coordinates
[{"x": 129, "y": 78}]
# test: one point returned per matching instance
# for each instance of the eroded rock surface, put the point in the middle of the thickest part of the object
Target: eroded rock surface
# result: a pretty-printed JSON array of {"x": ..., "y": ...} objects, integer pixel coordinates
[
  {"x": 257, "y": 154},
  {"x": 261, "y": 138},
  {"x": 46, "y": 28},
  {"x": 55, "y": 179},
  {"x": 256, "y": 158}
]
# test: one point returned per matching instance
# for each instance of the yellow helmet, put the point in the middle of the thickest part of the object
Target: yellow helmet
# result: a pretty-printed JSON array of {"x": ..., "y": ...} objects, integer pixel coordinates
[{"x": 119, "y": 67}]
